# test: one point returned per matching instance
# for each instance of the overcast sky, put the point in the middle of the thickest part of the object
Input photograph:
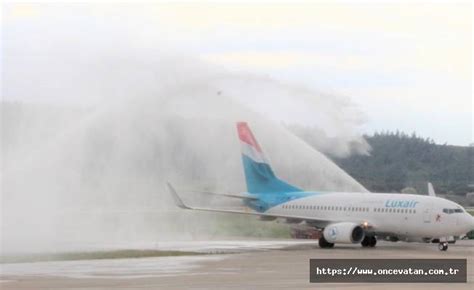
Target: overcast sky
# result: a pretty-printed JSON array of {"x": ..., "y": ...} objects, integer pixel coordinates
[{"x": 407, "y": 66}]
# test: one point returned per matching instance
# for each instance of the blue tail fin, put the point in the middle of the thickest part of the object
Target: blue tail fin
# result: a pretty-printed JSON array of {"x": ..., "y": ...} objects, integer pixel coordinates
[{"x": 259, "y": 175}]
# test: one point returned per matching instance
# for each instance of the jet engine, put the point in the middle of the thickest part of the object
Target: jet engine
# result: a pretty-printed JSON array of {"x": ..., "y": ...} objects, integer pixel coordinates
[{"x": 345, "y": 233}]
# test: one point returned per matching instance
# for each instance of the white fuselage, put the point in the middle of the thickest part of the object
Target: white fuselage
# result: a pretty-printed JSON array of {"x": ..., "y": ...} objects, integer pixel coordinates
[{"x": 404, "y": 215}]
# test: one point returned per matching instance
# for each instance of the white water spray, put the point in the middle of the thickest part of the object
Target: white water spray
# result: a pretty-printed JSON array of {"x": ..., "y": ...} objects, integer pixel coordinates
[{"x": 89, "y": 165}]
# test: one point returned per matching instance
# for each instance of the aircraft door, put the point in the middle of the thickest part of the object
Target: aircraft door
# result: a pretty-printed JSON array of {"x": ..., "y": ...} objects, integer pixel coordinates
[{"x": 427, "y": 213}]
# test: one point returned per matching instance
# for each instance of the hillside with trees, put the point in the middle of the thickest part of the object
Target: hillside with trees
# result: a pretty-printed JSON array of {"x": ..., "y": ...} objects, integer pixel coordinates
[{"x": 398, "y": 160}]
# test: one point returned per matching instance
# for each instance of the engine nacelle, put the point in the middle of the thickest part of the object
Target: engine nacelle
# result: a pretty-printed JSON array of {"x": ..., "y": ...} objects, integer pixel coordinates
[{"x": 345, "y": 233}]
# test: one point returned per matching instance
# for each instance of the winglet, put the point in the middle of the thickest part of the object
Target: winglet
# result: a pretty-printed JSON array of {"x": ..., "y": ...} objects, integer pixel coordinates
[
  {"x": 176, "y": 198},
  {"x": 431, "y": 191}
]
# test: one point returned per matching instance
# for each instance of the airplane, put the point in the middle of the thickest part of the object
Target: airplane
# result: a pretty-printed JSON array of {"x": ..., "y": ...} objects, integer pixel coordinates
[{"x": 342, "y": 217}]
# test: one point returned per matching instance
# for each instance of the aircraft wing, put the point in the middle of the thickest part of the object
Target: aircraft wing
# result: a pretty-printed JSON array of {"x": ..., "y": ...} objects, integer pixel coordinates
[
  {"x": 314, "y": 221},
  {"x": 232, "y": 195}
]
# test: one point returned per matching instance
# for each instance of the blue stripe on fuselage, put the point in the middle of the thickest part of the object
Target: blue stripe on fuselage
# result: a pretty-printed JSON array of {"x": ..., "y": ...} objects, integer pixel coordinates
[{"x": 266, "y": 201}]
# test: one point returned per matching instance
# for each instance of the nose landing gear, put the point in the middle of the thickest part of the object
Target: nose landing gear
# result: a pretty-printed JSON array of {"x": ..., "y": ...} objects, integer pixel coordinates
[{"x": 443, "y": 246}]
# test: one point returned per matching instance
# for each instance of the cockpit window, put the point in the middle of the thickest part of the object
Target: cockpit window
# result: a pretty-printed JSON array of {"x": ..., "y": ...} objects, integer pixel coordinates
[{"x": 452, "y": 210}]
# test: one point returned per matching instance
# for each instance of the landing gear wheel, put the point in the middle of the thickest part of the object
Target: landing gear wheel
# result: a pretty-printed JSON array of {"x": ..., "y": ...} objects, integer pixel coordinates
[
  {"x": 369, "y": 241},
  {"x": 443, "y": 246},
  {"x": 324, "y": 244},
  {"x": 365, "y": 242},
  {"x": 372, "y": 241}
]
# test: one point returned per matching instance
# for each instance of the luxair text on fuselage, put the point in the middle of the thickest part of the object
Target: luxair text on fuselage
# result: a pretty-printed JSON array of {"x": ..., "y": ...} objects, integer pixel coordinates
[{"x": 400, "y": 203}]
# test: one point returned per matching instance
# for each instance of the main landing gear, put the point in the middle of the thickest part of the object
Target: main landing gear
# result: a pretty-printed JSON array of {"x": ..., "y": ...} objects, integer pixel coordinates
[
  {"x": 443, "y": 246},
  {"x": 324, "y": 244},
  {"x": 369, "y": 241}
]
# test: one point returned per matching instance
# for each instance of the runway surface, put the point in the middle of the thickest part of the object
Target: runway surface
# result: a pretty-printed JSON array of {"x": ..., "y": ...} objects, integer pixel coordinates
[{"x": 239, "y": 264}]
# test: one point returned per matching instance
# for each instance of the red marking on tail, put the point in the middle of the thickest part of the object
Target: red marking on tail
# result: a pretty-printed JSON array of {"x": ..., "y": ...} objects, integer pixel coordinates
[{"x": 245, "y": 135}]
